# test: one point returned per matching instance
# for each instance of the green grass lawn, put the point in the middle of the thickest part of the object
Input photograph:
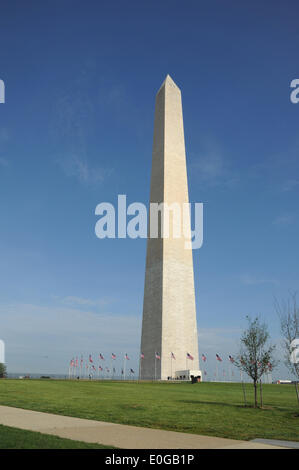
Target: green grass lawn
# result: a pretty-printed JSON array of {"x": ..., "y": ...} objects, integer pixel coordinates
[
  {"x": 214, "y": 409},
  {"x": 13, "y": 438}
]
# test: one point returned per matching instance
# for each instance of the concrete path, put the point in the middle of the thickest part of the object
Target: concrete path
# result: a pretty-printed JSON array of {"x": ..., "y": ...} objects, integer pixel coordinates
[
  {"x": 276, "y": 442},
  {"x": 117, "y": 435}
]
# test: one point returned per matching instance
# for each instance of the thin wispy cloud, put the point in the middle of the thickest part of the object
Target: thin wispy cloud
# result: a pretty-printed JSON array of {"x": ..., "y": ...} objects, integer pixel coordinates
[
  {"x": 83, "y": 302},
  {"x": 290, "y": 185},
  {"x": 254, "y": 281},
  {"x": 4, "y": 137},
  {"x": 212, "y": 167},
  {"x": 77, "y": 166},
  {"x": 73, "y": 128},
  {"x": 276, "y": 171},
  {"x": 3, "y": 162},
  {"x": 284, "y": 220},
  {"x": 4, "y": 134}
]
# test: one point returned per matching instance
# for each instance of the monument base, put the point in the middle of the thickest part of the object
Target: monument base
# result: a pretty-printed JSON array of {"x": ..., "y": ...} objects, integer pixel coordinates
[{"x": 188, "y": 374}]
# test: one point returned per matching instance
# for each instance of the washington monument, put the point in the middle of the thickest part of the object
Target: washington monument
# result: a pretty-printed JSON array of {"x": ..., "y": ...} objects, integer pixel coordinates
[{"x": 169, "y": 329}]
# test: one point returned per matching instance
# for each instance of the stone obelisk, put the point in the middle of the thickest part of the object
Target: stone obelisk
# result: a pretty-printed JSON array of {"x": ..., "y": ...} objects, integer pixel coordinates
[{"x": 169, "y": 312}]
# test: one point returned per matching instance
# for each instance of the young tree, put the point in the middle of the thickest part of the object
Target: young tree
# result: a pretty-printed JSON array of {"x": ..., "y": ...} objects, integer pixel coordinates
[
  {"x": 2, "y": 370},
  {"x": 255, "y": 357},
  {"x": 288, "y": 313}
]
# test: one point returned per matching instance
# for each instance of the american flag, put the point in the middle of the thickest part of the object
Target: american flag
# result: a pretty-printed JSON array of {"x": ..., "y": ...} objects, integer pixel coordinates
[
  {"x": 77, "y": 362},
  {"x": 231, "y": 359},
  {"x": 172, "y": 355},
  {"x": 72, "y": 363},
  {"x": 90, "y": 359},
  {"x": 100, "y": 368},
  {"x": 127, "y": 357},
  {"x": 93, "y": 367},
  {"x": 157, "y": 356},
  {"x": 142, "y": 356},
  {"x": 81, "y": 362},
  {"x": 189, "y": 356},
  {"x": 269, "y": 366},
  {"x": 204, "y": 358},
  {"x": 218, "y": 358},
  {"x": 101, "y": 356},
  {"x": 113, "y": 356}
]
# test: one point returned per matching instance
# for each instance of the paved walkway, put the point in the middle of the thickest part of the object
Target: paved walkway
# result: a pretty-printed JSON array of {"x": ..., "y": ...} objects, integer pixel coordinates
[{"x": 117, "y": 435}]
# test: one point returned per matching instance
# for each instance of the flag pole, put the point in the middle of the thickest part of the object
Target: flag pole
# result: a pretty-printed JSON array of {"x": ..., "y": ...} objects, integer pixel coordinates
[
  {"x": 140, "y": 360},
  {"x": 139, "y": 368}
]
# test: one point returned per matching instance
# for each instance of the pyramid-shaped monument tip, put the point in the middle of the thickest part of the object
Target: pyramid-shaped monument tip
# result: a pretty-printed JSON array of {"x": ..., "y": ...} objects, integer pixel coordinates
[{"x": 168, "y": 81}]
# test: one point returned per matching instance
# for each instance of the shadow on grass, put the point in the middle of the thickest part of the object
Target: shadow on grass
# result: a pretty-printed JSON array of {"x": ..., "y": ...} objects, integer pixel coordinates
[
  {"x": 135, "y": 407},
  {"x": 217, "y": 403}
]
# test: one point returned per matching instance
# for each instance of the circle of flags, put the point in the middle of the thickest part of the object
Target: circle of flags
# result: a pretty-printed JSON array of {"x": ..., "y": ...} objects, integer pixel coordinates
[{"x": 76, "y": 366}]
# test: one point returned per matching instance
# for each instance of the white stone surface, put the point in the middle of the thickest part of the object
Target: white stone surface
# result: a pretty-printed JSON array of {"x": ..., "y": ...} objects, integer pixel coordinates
[{"x": 169, "y": 312}]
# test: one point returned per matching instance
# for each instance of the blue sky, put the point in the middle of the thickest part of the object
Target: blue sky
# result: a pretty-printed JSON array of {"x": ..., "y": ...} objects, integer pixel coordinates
[{"x": 76, "y": 130}]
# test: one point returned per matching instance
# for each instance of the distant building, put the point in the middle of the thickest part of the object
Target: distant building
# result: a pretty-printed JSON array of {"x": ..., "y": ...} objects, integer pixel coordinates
[{"x": 188, "y": 374}]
